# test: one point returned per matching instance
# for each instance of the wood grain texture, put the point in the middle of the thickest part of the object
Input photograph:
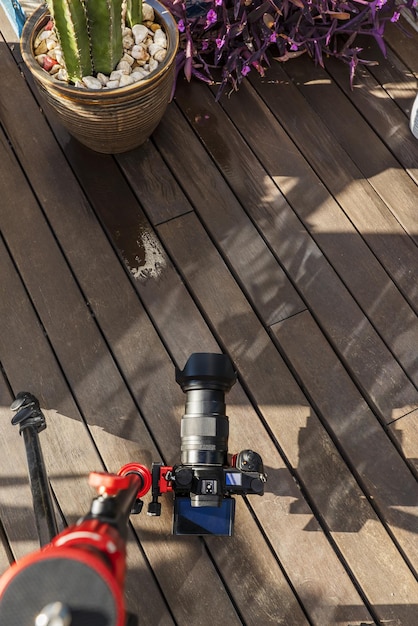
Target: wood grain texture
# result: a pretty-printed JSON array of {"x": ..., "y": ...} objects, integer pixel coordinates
[
  {"x": 108, "y": 408},
  {"x": 405, "y": 431},
  {"x": 386, "y": 478},
  {"x": 317, "y": 465},
  {"x": 307, "y": 254},
  {"x": 279, "y": 227}
]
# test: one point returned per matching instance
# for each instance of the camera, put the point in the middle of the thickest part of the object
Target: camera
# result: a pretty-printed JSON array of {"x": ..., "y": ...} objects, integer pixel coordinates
[{"x": 204, "y": 482}]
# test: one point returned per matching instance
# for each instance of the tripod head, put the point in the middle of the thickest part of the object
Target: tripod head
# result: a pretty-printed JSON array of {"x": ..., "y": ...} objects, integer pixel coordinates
[{"x": 78, "y": 578}]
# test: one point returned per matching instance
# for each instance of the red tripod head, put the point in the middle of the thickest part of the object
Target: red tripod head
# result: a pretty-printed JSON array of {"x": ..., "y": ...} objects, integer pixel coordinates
[{"x": 78, "y": 578}]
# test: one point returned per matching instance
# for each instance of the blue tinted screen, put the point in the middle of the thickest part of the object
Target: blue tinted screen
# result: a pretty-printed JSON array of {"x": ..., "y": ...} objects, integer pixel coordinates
[{"x": 203, "y": 520}]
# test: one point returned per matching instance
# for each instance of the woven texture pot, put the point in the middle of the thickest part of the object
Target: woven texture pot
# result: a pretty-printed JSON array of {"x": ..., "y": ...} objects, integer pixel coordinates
[{"x": 110, "y": 120}]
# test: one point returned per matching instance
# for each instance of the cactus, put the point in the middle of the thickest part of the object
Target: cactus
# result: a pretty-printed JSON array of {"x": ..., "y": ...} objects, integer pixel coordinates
[
  {"x": 133, "y": 12},
  {"x": 90, "y": 33},
  {"x": 104, "y": 18},
  {"x": 71, "y": 24}
]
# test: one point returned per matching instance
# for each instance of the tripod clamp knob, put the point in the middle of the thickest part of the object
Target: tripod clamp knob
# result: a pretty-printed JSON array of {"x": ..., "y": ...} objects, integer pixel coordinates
[
  {"x": 108, "y": 484},
  {"x": 28, "y": 412}
]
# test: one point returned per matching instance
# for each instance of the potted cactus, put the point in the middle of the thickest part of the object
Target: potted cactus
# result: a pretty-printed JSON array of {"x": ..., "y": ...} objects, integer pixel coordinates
[{"x": 95, "y": 62}]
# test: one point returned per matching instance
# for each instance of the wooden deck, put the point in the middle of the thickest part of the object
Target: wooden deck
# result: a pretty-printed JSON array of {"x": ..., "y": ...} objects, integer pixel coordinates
[{"x": 280, "y": 227}]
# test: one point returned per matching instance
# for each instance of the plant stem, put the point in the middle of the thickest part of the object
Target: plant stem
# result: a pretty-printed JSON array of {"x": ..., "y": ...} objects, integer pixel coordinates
[
  {"x": 104, "y": 19},
  {"x": 71, "y": 24},
  {"x": 134, "y": 12}
]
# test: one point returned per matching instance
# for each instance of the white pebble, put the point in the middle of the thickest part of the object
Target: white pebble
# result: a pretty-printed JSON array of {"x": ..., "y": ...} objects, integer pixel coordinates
[
  {"x": 139, "y": 52},
  {"x": 62, "y": 74},
  {"x": 91, "y": 82},
  {"x": 147, "y": 13},
  {"x": 138, "y": 74},
  {"x": 153, "y": 64},
  {"x": 112, "y": 84},
  {"x": 128, "y": 41},
  {"x": 140, "y": 32},
  {"x": 160, "y": 55},
  {"x": 103, "y": 78},
  {"x": 144, "y": 49},
  {"x": 160, "y": 38},
  {"x": 115, "y": 75},
  {"x": 125, "y": 80},
  {"x": 45, "y": 34},
  {"x": 153, "y": 48},
  {"x": 56, "y": 54},
  {"x": 40, "y": 58},
  {"x": 124, "y": 67},
  {"x": 41, "y": 48},
  {"x": 128, "y": 58}
]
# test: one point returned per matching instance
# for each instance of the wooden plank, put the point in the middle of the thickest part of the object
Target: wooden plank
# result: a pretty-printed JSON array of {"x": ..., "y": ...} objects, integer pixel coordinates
[
  {"x": 97, "y": 386},
  {"x": 389, "y": 242},
  {"x": 278, "y": 605},
  {"x": 258, "y": 583},
  {"x": 331, "y": 162},
  {"x": 392, "y": 126},
  {"x": 14, "y": 494},
  {"x": 255, "y": 267},
  {"x": 340, "y": 175},
  {"x": 5, "y": 555},
  {"x": 155, "y": 294},
  {"x": 393, "y": 248},
  {"x": 29, "y": 364},
  {"x": 404, "y": 44},
  {"x": 365, "y": 134},
  {"x": 375, "y": 461},
  {"x": 297, "y": 544},
  {"x": 406, "y": 433},
  {"x": 397, "y": 79},
  {"x": 300, "y": 254},
  {"x": 352, "y": 523},
  {"x": 362, "y": 358},
  {"x": 283, "y": 601},
  {"x": 276, "y": 298},
  {"x": 119, "y": 434},
  {"x": 16, "y": 510}
]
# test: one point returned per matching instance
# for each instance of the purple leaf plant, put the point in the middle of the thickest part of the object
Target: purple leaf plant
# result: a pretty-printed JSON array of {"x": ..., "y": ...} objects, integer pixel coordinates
[{"x": 235, "y": 35}]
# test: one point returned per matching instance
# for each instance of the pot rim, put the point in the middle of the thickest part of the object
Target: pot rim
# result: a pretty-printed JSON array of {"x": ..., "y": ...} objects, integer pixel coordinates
[{"x": 39, "y": 18}]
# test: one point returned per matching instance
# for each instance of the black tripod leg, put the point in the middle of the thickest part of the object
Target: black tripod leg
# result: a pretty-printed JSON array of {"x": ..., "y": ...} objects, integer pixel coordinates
[
  {"x": 31, "y": 421},
  {"x": 41, "y": 495}
]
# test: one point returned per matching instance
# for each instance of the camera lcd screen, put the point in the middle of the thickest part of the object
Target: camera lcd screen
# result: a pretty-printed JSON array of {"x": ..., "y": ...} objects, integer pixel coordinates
[{"x": 203, "y": 520}]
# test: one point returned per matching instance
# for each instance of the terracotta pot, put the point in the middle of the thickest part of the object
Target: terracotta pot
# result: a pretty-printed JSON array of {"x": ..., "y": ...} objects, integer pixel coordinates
[{"x": 110, "y": 120}]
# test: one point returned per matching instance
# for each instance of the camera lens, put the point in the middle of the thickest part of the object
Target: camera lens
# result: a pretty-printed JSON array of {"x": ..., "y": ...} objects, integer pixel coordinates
[{"x": 204, "y": 426}]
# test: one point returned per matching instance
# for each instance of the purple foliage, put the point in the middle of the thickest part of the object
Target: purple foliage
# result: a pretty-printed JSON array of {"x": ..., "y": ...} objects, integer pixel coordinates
[{"x": 234, "y": 35}]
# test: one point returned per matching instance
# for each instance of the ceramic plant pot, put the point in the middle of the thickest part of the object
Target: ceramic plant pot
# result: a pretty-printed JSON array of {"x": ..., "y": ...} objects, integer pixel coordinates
[{"x": 109, "y": 120}]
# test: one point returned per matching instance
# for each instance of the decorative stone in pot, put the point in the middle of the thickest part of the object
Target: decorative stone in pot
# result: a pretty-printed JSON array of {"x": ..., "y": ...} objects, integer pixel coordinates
[{"x": 110, "y": 120}]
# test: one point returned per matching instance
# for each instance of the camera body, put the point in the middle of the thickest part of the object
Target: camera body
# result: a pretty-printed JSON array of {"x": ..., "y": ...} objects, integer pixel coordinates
[{"x": 206, "y": 479}]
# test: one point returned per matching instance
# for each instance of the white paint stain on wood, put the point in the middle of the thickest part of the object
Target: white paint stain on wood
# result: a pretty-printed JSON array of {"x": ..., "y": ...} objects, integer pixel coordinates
[{"x": 155, "y": 260}]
